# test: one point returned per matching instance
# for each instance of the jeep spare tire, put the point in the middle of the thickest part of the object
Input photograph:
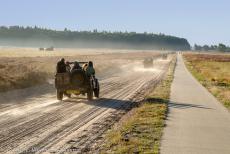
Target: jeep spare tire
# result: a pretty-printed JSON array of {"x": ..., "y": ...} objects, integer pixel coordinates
[{"x": 78, "y": 77}]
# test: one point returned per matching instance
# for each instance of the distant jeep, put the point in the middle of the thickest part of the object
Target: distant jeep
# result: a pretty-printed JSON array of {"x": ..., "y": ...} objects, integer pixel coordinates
[
  {"x": 50, "y": 49},
  {"x": 148, "y": 62},
  {"x": 41, "y": 49},
  {"x": 164, "y": 56}
]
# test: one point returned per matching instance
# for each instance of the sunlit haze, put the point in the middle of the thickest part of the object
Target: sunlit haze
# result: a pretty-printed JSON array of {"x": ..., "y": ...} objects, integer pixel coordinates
[{"x": 202, "y": 22}]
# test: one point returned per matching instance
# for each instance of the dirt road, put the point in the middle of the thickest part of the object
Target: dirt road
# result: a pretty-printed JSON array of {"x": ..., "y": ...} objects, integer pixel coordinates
[{"x": 41, "y": 124}]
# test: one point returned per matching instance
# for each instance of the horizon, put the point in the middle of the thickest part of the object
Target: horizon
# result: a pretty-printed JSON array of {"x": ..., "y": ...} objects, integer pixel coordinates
[
  {"x": 199, "y": 22},
  {"x": 111, "y": 32}
]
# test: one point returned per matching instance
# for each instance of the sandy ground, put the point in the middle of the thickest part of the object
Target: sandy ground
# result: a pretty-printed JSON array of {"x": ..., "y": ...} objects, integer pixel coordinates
[
  {"x": 197, "y": 123},
  {"x": 33, "y": 121}
]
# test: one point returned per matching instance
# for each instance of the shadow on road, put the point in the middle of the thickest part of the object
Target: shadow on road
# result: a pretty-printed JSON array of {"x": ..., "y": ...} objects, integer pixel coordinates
[
  {"x": 175, "y": 104},
  {"x": 103, "y": 103},
  {"x": 186, "y": 105}
]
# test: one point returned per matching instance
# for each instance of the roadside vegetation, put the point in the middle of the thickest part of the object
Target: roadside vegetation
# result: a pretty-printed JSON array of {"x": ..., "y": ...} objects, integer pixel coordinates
[
  {"x": 220, "y": 47},
  {"x": 18, "y": 73},
  {"x": 140, "y": 130},
  {"x": 213, "y": 72}
]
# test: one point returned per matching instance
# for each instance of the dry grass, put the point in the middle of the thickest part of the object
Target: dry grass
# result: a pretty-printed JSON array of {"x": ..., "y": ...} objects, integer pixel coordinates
[
  {"x": 34, "y": 52},
  {"x": 213, "y": 72},
  {"x": 25, "y": 67},
  {"x": 140, "y": 130}
]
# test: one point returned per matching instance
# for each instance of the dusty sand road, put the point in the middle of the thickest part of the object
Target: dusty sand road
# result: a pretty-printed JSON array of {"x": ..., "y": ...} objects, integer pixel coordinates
[{"x": 41, "y": 124}]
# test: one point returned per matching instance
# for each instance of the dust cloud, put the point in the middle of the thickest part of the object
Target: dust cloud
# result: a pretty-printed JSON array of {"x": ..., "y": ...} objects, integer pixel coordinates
[
  {"x": 142, "y": 69},
  {"x": 138, "y": 67}
]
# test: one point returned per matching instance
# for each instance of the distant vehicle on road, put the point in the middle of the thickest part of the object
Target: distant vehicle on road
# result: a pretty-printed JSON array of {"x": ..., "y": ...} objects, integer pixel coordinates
[
  {"x": 41, "y": 49},
  {"x": 148, "y": 62},
  {"x": 49, "y": 49},
  {"x": 164, "y": 56}
]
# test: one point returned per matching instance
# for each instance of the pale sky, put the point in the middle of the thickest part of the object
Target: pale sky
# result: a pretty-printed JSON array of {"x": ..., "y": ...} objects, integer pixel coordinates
[{"x": 200, "y": 21}]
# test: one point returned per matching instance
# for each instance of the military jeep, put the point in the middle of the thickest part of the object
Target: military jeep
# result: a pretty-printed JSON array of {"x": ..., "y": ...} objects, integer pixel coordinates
[
  {"x": 75, "y": 83},
  {"x": 148, "y": 62}
]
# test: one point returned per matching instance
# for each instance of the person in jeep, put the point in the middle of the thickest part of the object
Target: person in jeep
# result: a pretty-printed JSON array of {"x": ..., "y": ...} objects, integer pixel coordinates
[
  {"x": 90, "y": 71},
  {"x": 76, "y": 66},
  {"x": 61, "y": 66}
]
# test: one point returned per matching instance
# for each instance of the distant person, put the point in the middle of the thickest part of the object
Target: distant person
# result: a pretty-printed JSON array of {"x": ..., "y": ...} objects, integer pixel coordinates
[
  {"x": 90, "y": 71},
  {"x": 61, "y": 66}
]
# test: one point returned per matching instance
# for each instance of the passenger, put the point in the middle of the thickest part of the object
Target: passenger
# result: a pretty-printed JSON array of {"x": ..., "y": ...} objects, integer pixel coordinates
[
  {"x": 84, "y": 66},
  {"x": 68, "y": 67},
  {"x": 90, "y": 70},
  {"x": 76, "y": 66},
  {"x": 61, "y": 66}
]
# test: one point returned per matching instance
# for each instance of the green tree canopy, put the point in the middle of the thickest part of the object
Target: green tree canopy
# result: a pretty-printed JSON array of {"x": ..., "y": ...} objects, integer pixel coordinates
[
  {"x": 221, "y": 47},
  {"x": 34, "y": 36}
]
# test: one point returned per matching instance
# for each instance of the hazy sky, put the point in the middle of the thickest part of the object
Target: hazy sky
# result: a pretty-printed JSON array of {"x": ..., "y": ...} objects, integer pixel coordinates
[{"x": 200, "y": 21}]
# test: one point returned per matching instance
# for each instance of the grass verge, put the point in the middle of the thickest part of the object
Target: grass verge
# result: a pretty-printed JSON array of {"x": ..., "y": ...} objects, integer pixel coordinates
[
  {"x": 140, "y": 130},
  {"x": 213, "y": 72}
]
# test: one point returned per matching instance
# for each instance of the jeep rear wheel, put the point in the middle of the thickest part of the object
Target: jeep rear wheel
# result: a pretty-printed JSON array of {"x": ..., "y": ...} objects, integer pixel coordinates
[
  {"x": 97, "y": 92},
  {"x": 59, "y": 95},
  {"x": 78, "y": 78}
]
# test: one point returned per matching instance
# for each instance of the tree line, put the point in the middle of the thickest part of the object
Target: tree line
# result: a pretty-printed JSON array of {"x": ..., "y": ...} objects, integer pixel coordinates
[
  {"x": 220, "y": 47},
  {"x": 35, "y": 36}
]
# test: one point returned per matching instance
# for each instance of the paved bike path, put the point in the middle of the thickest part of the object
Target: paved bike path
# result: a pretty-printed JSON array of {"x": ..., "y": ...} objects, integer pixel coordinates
[{"x": 197, "y": 123}]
